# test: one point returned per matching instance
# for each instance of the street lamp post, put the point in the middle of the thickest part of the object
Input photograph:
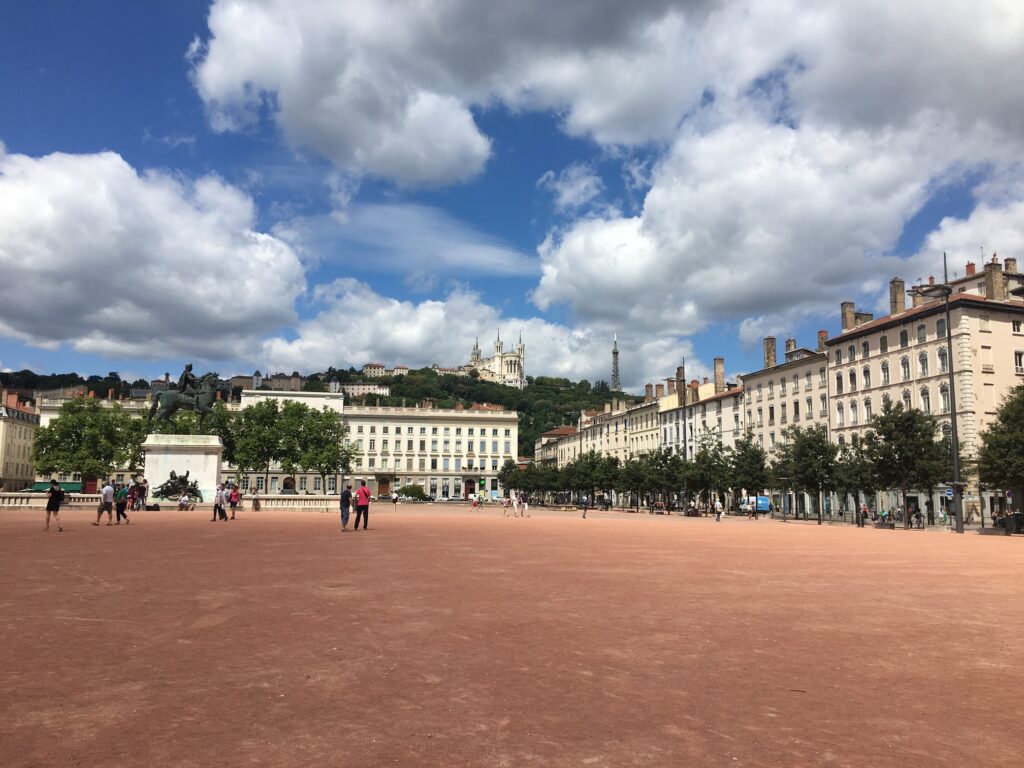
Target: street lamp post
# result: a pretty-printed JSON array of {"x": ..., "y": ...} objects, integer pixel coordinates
[{"x": 944, "y": 291}]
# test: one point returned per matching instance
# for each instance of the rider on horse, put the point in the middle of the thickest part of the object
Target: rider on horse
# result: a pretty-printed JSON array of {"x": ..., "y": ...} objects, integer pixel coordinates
[{"x": 187, "y": 383}]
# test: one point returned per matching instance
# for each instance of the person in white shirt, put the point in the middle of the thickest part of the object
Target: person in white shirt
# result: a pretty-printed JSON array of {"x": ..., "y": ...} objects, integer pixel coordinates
[
  {"x": 718, "y": 510},
  {"x": 106, "y": 503}
]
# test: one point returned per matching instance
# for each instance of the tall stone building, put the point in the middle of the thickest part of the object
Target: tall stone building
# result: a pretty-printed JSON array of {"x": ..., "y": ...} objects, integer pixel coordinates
[{"x": 502, "y": 367}]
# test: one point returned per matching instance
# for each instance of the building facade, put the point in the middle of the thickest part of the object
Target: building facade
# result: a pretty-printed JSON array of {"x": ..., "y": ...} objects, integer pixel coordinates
[{"x": 18, "y": 425}]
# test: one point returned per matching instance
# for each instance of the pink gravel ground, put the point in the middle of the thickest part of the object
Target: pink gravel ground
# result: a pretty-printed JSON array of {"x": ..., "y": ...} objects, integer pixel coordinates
[{"x": 453, "y": 638}]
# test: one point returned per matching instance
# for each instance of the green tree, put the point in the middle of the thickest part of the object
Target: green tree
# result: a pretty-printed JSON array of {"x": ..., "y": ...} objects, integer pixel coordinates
[
  {"x": 86, "y": 437},
  {"x": 256, "y": 437},
  {"x": 748, "y": 469},
  {"x": 1001, "y": 457},
  {"x": 812, "y": 462},
  {"x": 855, "y": 472},
  {"x": 413, "y": 491},
  {"x": 314, "y": 385},
  {"x": 291, "y": 421},
  {"x": 902, "y": 448},
  {"x": 709, "y": 470},
  {"x": 323, "y": 448},
  {"x": 510, "y": 476}
]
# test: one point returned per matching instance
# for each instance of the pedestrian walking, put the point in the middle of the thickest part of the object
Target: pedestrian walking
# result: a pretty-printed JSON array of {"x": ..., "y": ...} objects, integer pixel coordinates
[
  {"x": 505, "y": 504},
  {"x": 256, "y": 500},
  {"x": 346, "y": 507},
  {"x": 54, "y": 498},
  {"x": 394, "y": 500},
  {"x": 106, "y": 503},
  {"x": 121, "y": 504},
  {"x": 525, "y": 504},
  {"x": 363, "y": 496},
  {"x": 218, "y": 505},
  {"x": 515, "y": 505},
  {"x": 233, "y": 499},
  {"x": 718, "y": 510}
]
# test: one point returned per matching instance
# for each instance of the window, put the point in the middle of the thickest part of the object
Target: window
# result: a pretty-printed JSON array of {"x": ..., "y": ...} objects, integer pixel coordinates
[
  {"x": 760, "y": 418},
  {"x": 943, "y": 360},
  {"x": 471, "y": 432},
  {"x": 865, "y": 349},
  {"x": 809, "y": 410},
  {"x": 423, "y": 430},
  {"x": 771, "y": 414},
  {"x": 867, "y": 410},
  {"x": 926, "y": 400},
  {"x": 906, "y": 399},
  {"x": 853, "y": 413},
  {"x": 423, "y": 445},
  {"x": 807, "y": 380},
  {"x": 373, "y": 444},
  {"x": 921, "y": 334},
  {"x": 446, "y": 446},
  {"x": 1018, "y": 362},
  {"x": 944, "y": 399},
  {"x": 408, "y": 445},
  {"x": 922, "y": 363},
  {"x": 853, "y": 381},
  {"x": 782, "y": 390},
  {"x": 904, "y": 339},
  {"x": 771, "y": 389},
  {"x": 445, "y": 464},
  {"x": 494, "y": 446},
  {"x": 508, "y": 446},
  {"x": 782, "y": 413},
  {"x": 940, "y": 328},
  {"x": 458, "y": 464},
  {"x": 316, "y": 484},
  {"x": 885, "y": 373},
  {"x": 302, "y": 483},
  {"x": 373, "y": 429},
  {"x": 1016, "y": 326},
  {"x": 839, "y": 383},
  {"x": 905, "y": 368},
  {"x": 384, "y": 445},
  {"x": 447, "y": 431},
  {"x": 433, "y": 446},
  {"x": 433, "y": 430},
  {"x": 883, "y": 344},
  {"x": 851, "y": 353},
  {"x": 821, "y": 377},
  {"x": 824, "y": 406},
  {"x": 433, "y": 463},
  {"x": 840, "y": 416},
  {"x": 796, "y": 410},
  {"x": 384, "y": 430},
  {"x": 865, "y": 375},
  {"x": 839, "y": 356},
  {"x": 359, "y": 429}
]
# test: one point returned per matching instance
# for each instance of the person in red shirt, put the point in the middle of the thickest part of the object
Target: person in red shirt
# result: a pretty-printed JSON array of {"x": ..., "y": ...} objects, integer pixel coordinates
[{"x": 362, "y": 504}]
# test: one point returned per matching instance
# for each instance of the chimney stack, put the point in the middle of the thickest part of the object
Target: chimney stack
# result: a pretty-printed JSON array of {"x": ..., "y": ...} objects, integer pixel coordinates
[
  {"x": 971, "y": 267},
  {"x": 648, "y": 393},
  {"x": 822, "y": 338},
  {"x": 995, "y": 286},
  {"x": 719, "y": 375},
  {"x": 1010, "y": 266},
  {"x": 671, "y": 386},
  {"x": 897, "y": 297},
  {"x": 847, "y": 313},
  {"x": 790, "y": 345},
  {"x": 769, "y": 352},
  {"x": 659, "y": 391}
]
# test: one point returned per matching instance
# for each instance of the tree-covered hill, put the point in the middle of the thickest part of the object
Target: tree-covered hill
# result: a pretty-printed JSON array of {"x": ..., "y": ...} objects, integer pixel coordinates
[{"x": 546, "y": 402}]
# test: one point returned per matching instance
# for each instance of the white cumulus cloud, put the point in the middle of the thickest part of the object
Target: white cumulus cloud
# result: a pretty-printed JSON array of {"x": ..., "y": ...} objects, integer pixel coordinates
[{"x": 121, "y": 263}]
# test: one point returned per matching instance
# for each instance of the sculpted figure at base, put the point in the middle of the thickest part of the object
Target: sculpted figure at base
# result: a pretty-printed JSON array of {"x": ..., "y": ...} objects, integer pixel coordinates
[{"x": 176, "y": 485}]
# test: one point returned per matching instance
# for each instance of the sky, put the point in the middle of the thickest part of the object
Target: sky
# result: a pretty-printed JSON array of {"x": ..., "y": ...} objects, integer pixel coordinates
[{"x": 291, "y": 184}]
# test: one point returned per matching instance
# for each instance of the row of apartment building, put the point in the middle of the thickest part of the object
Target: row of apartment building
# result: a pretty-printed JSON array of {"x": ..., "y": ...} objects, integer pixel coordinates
[
  {"x": 839, "y": 383},
  {"x": 450, "y": 453}
]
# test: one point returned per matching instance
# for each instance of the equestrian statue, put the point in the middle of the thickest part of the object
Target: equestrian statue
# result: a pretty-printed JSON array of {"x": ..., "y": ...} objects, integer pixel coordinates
[{"x": 192, "y": 394}]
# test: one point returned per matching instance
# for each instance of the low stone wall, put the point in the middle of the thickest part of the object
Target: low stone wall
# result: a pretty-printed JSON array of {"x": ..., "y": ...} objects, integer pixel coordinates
[{"x": 92, "y": 500}]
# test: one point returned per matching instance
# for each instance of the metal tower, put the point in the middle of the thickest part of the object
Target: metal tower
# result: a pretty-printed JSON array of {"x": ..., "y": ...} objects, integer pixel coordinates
[{"x": 616, "y": 384}]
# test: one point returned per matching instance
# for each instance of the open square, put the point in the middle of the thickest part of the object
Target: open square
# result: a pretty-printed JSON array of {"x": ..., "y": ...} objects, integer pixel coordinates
[{"x": 443, "y": 637}]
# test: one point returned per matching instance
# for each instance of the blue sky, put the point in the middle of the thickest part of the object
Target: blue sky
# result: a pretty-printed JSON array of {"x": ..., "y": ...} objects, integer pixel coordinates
[{"x": 292, "y": 185}]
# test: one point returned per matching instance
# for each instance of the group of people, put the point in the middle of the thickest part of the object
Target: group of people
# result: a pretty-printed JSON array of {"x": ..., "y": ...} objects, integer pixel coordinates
[
  {"x": 362, "y": 498},
  {"x": 118, "y": 497},
  {"x": 227, "y": 495},
  {"x": 520, "y": 505}
]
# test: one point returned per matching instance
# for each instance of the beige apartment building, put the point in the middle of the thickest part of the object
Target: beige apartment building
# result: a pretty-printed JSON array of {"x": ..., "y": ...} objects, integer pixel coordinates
[
  {"x": 18, "y": 425},
  {"x": 545, "y": 447},
  {"x": 903, "y": 357},
  {"x": 698, "y": 413},
  {"x": 787, "y": 394}
]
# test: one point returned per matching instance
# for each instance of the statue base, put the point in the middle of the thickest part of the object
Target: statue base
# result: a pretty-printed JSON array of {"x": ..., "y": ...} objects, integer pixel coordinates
[{"x": 199, "y": 455}]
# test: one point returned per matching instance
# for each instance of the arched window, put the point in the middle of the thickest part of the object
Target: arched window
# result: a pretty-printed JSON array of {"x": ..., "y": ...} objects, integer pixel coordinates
[
  {"x": 853, "y": 413},
  {"x": 839, "y": 383},
  {"x": 865, "y": 349},
  {"x": 867, "y": 409},
  {"x": 853, "y": 381},
  {"x": 926, "y": 400},
  {"x": 940, "y": 327},
  {"x": 885, "y": 373},
  {"x": 906, "y": 399},
  {"x": 905, "y": 368},
  {"x": 922, "y": 363},
  {"x": 839, "y": 356},
  {"x": 943, "y": 360},
  {"x": 904, "y": 339},
  {"x": 865, "y": 376},
  {"x": 840, "y": 416},
  {"x": 921, "y": 333},
  {"x": 883, "y": 344},
  {"x": 851, "y": 353},
  {"x": 944, "y": 399}
]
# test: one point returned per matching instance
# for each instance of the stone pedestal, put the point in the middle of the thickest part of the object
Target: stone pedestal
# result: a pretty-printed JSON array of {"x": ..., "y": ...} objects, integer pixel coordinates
[{"x": 199, "y": 455}]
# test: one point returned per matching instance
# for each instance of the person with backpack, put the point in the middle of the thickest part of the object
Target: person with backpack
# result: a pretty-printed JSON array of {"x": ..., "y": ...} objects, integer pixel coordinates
[
  {"x": 54, "y": 498},
  {"x": 121, "y": 504},
  {"x": 346, "y": 507}
]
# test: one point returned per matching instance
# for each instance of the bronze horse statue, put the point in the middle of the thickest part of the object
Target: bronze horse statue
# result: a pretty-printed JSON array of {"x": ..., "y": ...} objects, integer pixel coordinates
[{"x": 170, "y": 401}]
